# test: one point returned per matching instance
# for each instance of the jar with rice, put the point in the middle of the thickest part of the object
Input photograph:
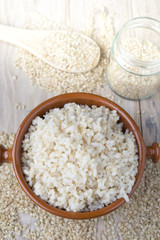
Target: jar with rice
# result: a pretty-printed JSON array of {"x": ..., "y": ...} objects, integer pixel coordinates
[{"x": 133, "y": 71}]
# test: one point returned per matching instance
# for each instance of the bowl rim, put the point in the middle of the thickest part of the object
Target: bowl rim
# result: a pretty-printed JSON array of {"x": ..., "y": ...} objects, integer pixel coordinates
[{"x": 72, "y": 97}]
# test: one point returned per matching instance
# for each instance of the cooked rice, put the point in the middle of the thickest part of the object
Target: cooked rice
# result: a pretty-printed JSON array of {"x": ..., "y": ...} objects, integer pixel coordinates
[{"x": 78, "y": 158}]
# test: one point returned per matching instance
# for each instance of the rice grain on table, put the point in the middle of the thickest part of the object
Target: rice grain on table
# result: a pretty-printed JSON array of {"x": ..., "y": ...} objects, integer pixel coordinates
[
  {"x": 58, "y": 81},
  {"x": 78, "y": 158}
]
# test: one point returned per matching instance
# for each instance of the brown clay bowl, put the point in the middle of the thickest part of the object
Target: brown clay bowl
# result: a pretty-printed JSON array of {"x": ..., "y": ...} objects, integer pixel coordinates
[{"x": 14, "y": 155}]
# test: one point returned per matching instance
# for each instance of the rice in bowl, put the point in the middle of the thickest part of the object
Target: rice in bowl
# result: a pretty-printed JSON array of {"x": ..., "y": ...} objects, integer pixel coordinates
[{"x": 78, "y": 158}]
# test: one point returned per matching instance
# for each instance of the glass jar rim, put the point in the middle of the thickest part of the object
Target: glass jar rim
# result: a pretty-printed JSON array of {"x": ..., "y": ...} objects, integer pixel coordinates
[{"x": 143, "y": 22}]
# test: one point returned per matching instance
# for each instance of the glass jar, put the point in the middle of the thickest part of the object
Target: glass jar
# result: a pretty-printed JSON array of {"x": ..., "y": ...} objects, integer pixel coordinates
[{"x": 133, "y": 71}]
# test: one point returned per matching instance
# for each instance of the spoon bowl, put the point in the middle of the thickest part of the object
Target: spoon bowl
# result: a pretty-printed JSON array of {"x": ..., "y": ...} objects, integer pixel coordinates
[{"x": 32, "y": 40}]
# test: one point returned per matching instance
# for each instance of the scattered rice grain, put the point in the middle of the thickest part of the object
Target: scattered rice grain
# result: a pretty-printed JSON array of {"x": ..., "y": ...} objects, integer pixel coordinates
[
  {"x": 14, "y": 77},
  {"x": 20, "y": 106}
]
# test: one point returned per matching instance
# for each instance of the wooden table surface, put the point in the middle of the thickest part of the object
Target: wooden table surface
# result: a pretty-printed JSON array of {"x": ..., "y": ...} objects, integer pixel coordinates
[{"x": 15, "y": 13}]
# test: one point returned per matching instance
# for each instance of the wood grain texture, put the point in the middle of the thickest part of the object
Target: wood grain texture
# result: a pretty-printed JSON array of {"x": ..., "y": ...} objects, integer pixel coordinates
[
  {"x": 15, "y": 13},
  {"x": 132, "y": 107},
  {"x": 149, "y": 108}
]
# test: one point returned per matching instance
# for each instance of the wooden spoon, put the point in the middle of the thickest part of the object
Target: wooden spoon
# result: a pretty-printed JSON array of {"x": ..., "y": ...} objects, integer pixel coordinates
[{"x": 31, "y": 40}]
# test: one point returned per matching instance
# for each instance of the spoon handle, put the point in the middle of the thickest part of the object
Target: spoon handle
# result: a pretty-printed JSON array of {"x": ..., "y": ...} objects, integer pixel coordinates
[
  {"x": 12, "y": 35},
  {"x": 24, "y": 38}
]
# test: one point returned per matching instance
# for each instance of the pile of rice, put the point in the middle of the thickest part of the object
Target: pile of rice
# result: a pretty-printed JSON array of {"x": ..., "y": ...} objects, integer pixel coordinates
[
  {"x": 78, "y": 158},
  {"x": 58, "y": 81},
  {"x": 70, "y": 51}
]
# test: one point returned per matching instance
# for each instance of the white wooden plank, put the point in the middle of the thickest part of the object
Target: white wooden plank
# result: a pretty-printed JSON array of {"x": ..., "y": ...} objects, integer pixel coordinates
[
  {"x": 77, "y": 17},
  {"x": 150, "y": 108}
]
